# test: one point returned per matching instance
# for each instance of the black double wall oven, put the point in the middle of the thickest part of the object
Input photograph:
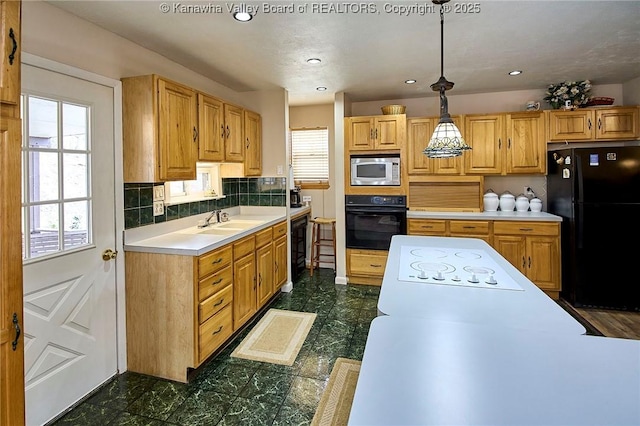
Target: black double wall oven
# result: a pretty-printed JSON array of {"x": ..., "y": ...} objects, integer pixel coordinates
[{"x": 371, "y": 220}]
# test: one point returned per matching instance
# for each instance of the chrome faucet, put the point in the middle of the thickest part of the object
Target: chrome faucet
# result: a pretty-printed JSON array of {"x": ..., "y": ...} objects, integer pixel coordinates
[{"x": 207, "y": 220}]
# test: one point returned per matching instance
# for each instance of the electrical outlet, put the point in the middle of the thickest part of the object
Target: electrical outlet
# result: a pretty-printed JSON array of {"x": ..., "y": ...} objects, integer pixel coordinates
[
  {"x": 158, "y": 208},
  {"x": 306, "y": 198},
  {"x": 158, "y": 193},
  {"x": 280, "y": 170}
]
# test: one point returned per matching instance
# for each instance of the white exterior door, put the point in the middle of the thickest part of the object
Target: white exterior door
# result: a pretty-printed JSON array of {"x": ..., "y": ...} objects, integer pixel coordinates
[{"x": 69, "y": 290}]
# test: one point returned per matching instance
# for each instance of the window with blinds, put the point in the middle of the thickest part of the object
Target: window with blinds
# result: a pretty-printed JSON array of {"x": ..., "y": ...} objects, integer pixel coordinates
[{"x": 310, "y": 157}]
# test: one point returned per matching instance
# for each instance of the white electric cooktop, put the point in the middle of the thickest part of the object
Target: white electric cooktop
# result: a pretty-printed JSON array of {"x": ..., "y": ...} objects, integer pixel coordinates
[{"x": 452, "y": 266}]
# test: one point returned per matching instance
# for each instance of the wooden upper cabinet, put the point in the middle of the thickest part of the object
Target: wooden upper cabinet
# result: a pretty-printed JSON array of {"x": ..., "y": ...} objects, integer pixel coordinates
[
  {"x": 178, "y": 131},
  {"x": 612, "y": 123},
  {"x": 485, "y": 135},
  {"x": 253, "y": 144},
  {"x": 376, "y": 132},
  {"x": 619, "y": 123},
  {"x": 526, "y": 147},
  {"x": 210, "y": 128},
  {"x": 571, "y": 125},
  {"x": 233, "y": 133},
  {"x": 10, "y": 46},
  {"x": 160, "y": 130},
  {"x": 419, "y": 132}
]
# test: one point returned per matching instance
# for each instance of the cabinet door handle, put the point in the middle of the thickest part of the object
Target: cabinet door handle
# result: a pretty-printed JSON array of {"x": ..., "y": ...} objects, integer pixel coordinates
[
  {"x": 222, "y": 134},
  {"x": 195, "y": 134},
  {"x": 524, "y": 262},
  {"x": 375, "y": 266},
  {"x": 599, "y": 123},
  {"x": 217, "y": 331},
  {"x": 370, "y": 133},
  {"x": 248, "y": 143},
  {"x": 216, "y": 261},
  {"x": 509, "y": 143},
  {"x": 260, "y": 280},
  {"x": 12, "y": 55},
  {"x": 16, "y": 325},
  {"x": 218, "y": 281},
  {"x": 529, "y": 262},
  {"x": 427, "y": 226},
  {"x": 469, "y": 227},
  {"x": 228, "y": 132},
  {"x": 219, "y": 303},
  {"x": 499, "y": 143},
  {"x": 276, "y": 266},
  {"x": 526, "y": 229},
  {"x": 589, "y": 123},
  {"x": 376, "y": 134}
]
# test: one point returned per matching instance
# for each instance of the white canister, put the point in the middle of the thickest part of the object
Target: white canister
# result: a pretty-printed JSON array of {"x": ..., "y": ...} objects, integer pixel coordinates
[
  {"x": 535, "y": 204},
  {"x": 491, "y": 201},
  {"x": 522, "y": 203},
  {"x": 507, "y": 202}
]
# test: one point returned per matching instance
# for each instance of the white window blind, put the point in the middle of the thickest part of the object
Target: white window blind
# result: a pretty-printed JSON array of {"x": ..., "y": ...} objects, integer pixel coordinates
[{"x": 310, "y": 155}]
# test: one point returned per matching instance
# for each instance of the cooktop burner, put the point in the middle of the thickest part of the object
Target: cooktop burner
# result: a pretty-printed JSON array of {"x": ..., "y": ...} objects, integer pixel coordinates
[{"x": 460, "y": 267}]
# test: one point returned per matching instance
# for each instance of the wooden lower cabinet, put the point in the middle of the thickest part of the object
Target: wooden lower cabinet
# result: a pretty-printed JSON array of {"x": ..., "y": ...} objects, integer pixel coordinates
[
  {"x": 181, "y": 309},
  {"x": 533, "y": 248},
  {"x": 245, "y": 281},
  {"x": 366, "y": 266}
]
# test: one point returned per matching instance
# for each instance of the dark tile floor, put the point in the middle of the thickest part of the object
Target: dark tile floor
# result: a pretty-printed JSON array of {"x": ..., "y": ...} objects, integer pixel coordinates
[{"x": 233, "y": 391}]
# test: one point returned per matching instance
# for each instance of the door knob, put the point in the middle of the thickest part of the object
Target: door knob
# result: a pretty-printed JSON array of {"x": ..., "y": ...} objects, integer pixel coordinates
[{"x": 109, "y": 254}]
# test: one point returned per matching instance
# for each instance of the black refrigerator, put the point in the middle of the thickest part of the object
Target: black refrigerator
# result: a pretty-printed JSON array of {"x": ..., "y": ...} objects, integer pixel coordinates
[{"x": 597, "y": 192}]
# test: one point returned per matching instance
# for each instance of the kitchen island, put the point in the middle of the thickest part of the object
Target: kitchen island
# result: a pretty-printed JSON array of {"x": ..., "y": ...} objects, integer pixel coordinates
[
  {"x": 525, "y": 307},
  {"x": 417, "y": 371}
]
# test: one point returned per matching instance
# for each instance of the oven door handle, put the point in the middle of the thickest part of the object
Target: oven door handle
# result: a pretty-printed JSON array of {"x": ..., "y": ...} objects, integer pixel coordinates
[{"x": 369, "y": 210}]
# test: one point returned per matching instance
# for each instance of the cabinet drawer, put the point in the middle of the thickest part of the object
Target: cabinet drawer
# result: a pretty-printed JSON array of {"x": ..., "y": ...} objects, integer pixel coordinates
[
  {"x": 214, "y": 261},
  {"x": 472, "y": 227},
  {"x": 243, "y": 247},
  {"x": 215, "y": 303},
  {"x": 368, "y": 263},
  {"x": 420, "y": 226},
  {"x": 263, "y": 237},
  {"x": 215, "y": 282},
  {"x": 279, "y": 230},
  {"x": 214, "y": 332},
  {"x": 526, "y": 228}
]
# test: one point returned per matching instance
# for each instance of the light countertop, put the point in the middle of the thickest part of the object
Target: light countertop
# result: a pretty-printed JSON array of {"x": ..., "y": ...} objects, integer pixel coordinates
[
  {"x": 529, "y": 309},
  {"x": 499, "y": 215},
  {"x": 424, "y": 372},
  {"x": 181, "y": 237}
]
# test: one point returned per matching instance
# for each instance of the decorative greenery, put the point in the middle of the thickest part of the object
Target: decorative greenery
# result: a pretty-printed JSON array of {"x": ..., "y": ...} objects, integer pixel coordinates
[{"x": 575, "y": 91}]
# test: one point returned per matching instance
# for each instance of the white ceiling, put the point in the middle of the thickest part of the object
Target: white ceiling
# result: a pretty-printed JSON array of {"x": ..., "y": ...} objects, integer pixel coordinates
[{"x": 370, "y": 55}]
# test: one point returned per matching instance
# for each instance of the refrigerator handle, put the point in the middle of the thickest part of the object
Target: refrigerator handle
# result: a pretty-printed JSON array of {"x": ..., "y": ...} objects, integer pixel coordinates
[
  {"x": 579, "y": 224},
  {"x": 577, "y": 179}
]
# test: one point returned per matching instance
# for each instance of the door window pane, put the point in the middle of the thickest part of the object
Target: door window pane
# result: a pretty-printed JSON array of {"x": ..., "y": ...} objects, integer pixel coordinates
[
  {"x": 43, "y": 176},
  {"x": 57, "y": 203},
  {"x": 75, "y": 175},
  {"x": 43, "y": 123},
  {"x": 74, "y": 126}
]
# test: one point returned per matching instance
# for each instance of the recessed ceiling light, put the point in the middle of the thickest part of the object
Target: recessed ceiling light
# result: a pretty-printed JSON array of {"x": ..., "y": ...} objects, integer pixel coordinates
[
  {"x": 243, "y": 15},
  {"x": 515, "y": 72},
  {"x": 321, "y": 89},
  {"x": 313, "y": 61},
  {"x": 411, "y": 81}
]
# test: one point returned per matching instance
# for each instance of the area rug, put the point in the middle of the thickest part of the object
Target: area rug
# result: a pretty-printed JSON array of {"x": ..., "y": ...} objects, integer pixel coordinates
[
  {"x": 335, "y": 404},
  {"x": 277, "y": 337}
]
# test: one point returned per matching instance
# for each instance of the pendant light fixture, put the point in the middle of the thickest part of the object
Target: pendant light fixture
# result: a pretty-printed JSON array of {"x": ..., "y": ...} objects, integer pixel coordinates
[{"x": 446, "y": 140}]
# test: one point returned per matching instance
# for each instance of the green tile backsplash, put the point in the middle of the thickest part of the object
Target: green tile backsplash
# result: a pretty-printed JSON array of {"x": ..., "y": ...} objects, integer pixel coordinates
[{"x": 262, "y": 191}]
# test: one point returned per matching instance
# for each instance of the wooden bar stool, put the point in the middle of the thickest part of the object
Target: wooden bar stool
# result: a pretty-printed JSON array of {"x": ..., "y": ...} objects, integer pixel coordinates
[{"x": 317, "y": 242}]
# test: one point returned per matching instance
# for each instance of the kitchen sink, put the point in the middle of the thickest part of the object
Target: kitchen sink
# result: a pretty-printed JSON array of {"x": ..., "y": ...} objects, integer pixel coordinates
[{"x": 239, "y": 224}]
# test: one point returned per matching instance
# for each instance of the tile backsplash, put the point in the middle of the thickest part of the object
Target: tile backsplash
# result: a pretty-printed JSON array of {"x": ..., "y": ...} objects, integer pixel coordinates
[{"x": 262, "y": 191}]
